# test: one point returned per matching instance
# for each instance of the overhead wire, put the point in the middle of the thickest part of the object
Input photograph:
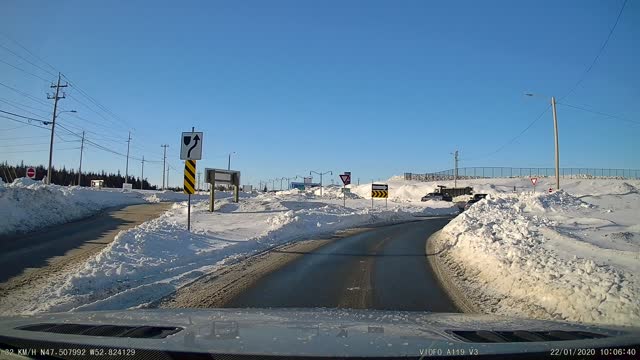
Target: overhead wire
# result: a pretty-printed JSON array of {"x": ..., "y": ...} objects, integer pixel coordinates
[
  {"x": 571, "y": 90},
  {"x": 595, "y": 59},
  {"x": 24, "y": 71}
]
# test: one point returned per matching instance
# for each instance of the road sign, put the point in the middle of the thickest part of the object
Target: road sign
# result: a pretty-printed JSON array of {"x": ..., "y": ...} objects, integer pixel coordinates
[
  {"x": 550, "y": 190},
  {"x": 127, "y": 186},
  {"x": 379, "y": 191},
  {"x": 189, "y": 176},
  {"x": 31, "y": 173},
  {"x": 346, "y": 178},
  {"x": 534, "y": 181},
  {"x": 191, "y": 146},
  {"x": 346, "y": 191},
  {"x": 220, "y": 176}
]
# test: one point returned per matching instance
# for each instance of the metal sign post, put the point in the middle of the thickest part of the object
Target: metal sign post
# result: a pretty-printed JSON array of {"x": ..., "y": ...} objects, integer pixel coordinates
[
  {"x": 346, "y": 180},
  {"x": 231, "y": 177},
  {"x": 189, "y": 187},
  {"x": 534, "y": 181},
  {"x": 190, "y": 151},
  {"x": 379, "y": 191}
]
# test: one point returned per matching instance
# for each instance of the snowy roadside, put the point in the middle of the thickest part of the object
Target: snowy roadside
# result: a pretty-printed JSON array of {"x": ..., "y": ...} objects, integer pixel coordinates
[
  {"x": 27, "y": 205},
  {"x": 151, "y": 260},
  {"x": 551, "y": 256}
]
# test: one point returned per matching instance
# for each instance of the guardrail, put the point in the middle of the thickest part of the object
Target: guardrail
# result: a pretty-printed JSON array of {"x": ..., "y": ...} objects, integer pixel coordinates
[{"x": 509, "y": 172}]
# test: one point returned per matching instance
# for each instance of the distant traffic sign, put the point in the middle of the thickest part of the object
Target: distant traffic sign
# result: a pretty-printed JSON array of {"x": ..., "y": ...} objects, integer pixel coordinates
[
  {"x": 534, "y": 181},
  {"x": 189, "y": 176},
  {"x": 379, "y": 191},
  {"x": 346, "y": 178},
  {"x": 550, "y": 190},
  {"x": 31, "y": 173},
  {"x": 191, "y": 146}
]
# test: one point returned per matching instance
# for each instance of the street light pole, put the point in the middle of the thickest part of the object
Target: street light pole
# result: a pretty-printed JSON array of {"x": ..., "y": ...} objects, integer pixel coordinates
[
  {"x": 229, "y": 163},
  {"x": 555, "y": 133},
  {"x": 314, "y": 172}
]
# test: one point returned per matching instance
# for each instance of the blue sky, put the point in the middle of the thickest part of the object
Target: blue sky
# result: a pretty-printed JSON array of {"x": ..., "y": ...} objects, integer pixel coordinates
[{"x": 372, "y": 87}]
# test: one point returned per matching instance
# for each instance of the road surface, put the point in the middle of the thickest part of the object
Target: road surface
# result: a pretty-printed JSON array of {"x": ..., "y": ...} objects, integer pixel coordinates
[
  {"x": 59, "y": 246},
  {"x": 385, "y": 268}
]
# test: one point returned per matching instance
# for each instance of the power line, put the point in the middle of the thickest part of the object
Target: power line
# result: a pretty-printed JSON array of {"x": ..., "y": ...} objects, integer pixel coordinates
[
  {"x": 21, "y": 57},
  {"x": 31, "y": 151},
  {"x": 30, "y": 53},
  {"x": 25, "y": 71},
  {"x": 24, "y": 122},
  {"x": 573, "y": 88},
  {"x": 16, "y": 104},
  {"x": 43, "y": 121},
  {"x": 25, "y": 94},
  {"x": 18, "y": 107},
  {"x": 584, "y": 74},
  {"x": 600, "y": 113}
]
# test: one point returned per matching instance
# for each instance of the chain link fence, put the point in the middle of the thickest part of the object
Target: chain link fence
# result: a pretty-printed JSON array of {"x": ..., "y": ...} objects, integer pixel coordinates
[{"x": 509, "y": 172}]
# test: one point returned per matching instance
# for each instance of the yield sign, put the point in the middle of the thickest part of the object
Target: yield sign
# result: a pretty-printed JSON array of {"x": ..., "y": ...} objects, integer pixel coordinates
[
  {"x": 346, "y": 179},
  {"x": 534, "y": 181}
]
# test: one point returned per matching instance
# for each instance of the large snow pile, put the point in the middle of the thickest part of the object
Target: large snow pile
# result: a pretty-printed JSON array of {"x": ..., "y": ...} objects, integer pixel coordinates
[
  {"x": 149, "y": 261},
  {"x": 28, "y": 205},
  {"x": 556, "y": 255}
]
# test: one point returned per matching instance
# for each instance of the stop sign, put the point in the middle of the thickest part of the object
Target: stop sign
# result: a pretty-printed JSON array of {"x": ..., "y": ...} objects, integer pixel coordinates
[{"x": 31, "y": 173}]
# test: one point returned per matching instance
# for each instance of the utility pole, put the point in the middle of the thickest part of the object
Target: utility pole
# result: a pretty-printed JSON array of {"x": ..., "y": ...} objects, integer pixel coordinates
[
  {"x": 142, "y": 180},
  {"x": 53, "y": 121},
  {"x": 555, "y": 131},
  {"x": 80, "y": 167},
  {"x": 164, "y": 161},
  {"x": 126, "y": 171},
  {"x": 168, "y": 171},
  {"x": 455, "y": 169}
]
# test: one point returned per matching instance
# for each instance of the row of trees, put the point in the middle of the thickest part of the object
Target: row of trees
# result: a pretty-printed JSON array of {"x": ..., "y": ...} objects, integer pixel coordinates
[{"x": 65, "y": 176}]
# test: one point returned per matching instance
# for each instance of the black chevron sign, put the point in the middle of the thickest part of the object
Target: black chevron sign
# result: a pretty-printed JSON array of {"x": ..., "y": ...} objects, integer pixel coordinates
[{"x": 383, "y": 194}]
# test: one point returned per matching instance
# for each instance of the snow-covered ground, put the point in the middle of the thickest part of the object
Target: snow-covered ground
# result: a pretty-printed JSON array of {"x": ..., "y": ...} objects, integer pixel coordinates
[
  {"x": 149, "y": 261},
  {"x": 572, "y": 254},
  {"x": 27, "y": 205}
]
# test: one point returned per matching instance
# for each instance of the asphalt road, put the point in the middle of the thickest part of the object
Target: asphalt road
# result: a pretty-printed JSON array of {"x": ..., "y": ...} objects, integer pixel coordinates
[
  {"x": 385, "y": 268},
  {"x": 71, "y": 242}
]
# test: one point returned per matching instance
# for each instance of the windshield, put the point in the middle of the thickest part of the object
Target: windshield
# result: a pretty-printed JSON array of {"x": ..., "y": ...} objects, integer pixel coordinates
[{"x": 254, "y": 155}]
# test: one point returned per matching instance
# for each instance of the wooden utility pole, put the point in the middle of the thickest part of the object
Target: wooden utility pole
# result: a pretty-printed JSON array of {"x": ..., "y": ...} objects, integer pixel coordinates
[
  {"x": 80, "y": 167},
  {"x": 55, "y": 98}
]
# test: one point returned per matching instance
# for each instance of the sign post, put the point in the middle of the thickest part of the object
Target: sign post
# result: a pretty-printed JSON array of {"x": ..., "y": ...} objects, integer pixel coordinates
[
  {"x": 346, "y": 180},
  {"x": 534, "y": 181},
  {"x": 190, "y": 151},
  {"x": 231, "y": 177},
  {"x": 380, "y": 191}
]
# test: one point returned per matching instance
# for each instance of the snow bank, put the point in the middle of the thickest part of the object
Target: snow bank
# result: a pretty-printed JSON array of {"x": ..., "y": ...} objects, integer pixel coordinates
[
  {"x": 149, "y": 261},
  {"x": 27, "y": 205},
  {"x": 552, "y": 256}
]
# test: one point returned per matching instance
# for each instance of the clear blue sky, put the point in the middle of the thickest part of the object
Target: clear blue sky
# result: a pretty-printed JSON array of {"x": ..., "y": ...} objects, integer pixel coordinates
[{"x": 372, "y": 87}]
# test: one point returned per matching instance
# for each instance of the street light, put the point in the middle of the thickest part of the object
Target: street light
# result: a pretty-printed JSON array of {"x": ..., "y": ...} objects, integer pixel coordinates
[
  {"x": 289, "y": 181},
  {"x": 53, "y": 127},
  {"x": 229, "y": 163},
  {"x": 324, "y": 173},
  {"x": 555, "y": 133}
]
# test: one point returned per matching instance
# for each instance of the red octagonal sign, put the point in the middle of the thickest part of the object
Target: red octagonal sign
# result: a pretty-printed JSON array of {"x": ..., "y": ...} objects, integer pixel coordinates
[{"x": 31, "y": 173}]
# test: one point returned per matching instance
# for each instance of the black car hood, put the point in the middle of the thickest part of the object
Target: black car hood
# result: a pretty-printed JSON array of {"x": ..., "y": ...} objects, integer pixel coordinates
[{"x": 305, "y": 332}]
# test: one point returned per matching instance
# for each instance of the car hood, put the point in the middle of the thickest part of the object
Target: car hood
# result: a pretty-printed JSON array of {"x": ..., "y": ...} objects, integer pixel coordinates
[{"x": 306, "y": 332}]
